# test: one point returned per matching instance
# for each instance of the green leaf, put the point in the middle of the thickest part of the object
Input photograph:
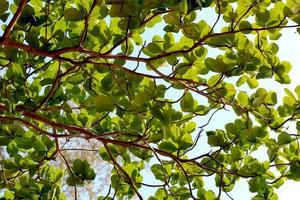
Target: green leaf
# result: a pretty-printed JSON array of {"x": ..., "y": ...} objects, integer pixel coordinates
[
  {"x": 122, "y": 9},
  {"x": 168, "y": 146},
  {"x": 190, "y": 127},
  {"x": 107, "y": 82},
  {"x": 103, "y": 103},
  {"x": 32, "y": 38},
  {"x": 297, "y": 90},
  {"x": 158, "y": 171},
  {"x": 27, "y": 15},
  {"x": 256, "y": 132},
  {"x": 172, "y": 18},
  {"x": 187, "y": 102},
  {"x": 243, "y": 79},
  {"x": 201, "y": 193},
  {"x": 284, "y": 138},
  {"x": 210, "y": 195},
  {"x": 192, "y": 31},
  {"x": 74, "y": 181},
  {"x": 81, "y": 168},
  {"x": 201, "y": 110},
  {"x": 4, "y": 140},
  {"x": 243, "y": 99},
  {"x": 12, "y": 148},
  {"x": 4, "y": 17},
  {"x": 138, "y": 40},
  {"x": 103, "y": 153},
  {"x": 185, "y": 141},
  {"x": 295, "y": 169},
  {"x": 258, "y": 101},
  {"x": 3, "y": 6},
  {"x": 236, "y": 153},
  {"x": 252, "y": 83},
  {"x": 160, "y": 194},
  {"x": 298, "y": 125},
  {"x": 168, "y": 41},
  {"x": 75, "y": 79},
  {"x": 245, "y": 25},
  {"x": 127, "y": 48},
  {"x": 271, "y": 98},
  {"x": 290, "y": 94},
  {"x": 9, "y": 195},
  {"x": 205, "y": 3},
  {"x": 274, "y": 48},
  {"x": 142, "y": 97},
  {"x": 23, "y": 142},
  {"x": 73, "y": 14},
  {"x": 152, "y": 49},
  {"x": 218, "y": 65}
]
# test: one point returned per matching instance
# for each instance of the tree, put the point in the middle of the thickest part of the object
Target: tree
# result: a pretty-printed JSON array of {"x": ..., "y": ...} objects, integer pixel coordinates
[{"x": 86, "y": 71}]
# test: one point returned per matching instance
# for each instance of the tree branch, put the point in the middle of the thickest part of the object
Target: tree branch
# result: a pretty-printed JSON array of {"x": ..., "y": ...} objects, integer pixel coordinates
[{"x": 15, "y": 18}]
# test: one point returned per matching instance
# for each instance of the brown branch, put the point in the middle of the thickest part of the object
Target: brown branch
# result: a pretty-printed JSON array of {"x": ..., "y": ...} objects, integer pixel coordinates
[
  {"x": 218, "y": 18},
  {"x": 199, "y": 43},
  {"x": 54, "y": 86},
  {"x": 87, "y": 134},
  {"x": 253, "y": 4},
  {"x": 73, "y": 149},
  {"x": 150, "y": 185},
  {"x": 56, "y": 54},
  {"x": 187, "y": 178},
  {"x": 15, "y": 18},
  {"x": 26, "y": 123},
  {"x": 86, "y": 23}
]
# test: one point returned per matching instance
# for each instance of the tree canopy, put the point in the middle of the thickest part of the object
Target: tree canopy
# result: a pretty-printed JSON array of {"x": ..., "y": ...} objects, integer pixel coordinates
[{"x": 86, "y": 70}]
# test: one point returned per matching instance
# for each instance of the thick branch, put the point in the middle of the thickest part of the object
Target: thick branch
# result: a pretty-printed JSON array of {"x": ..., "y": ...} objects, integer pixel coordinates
[{"x": 13, "y": 21}]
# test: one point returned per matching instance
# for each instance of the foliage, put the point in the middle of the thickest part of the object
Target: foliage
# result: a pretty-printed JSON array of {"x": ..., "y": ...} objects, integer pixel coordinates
[{"x": 85, "y": 70}]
